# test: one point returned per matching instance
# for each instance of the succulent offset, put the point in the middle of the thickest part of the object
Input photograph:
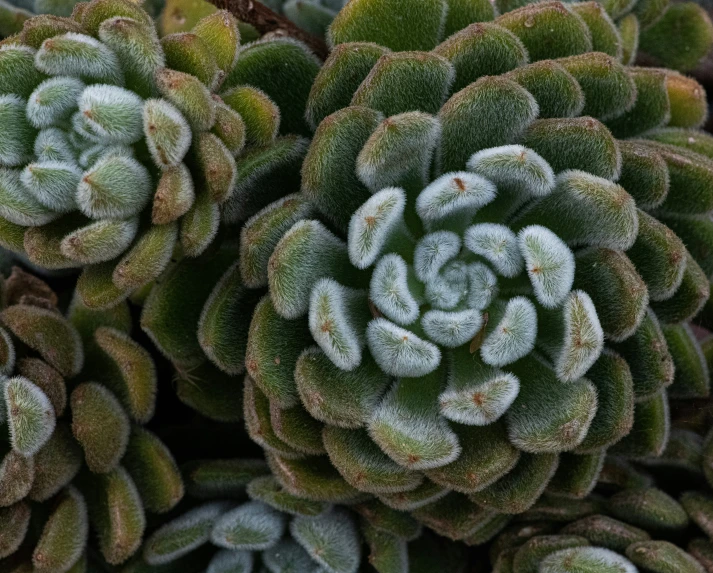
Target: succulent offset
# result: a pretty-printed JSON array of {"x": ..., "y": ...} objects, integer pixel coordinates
[
  {"x": 117, "y": 150},
  {"x": 76, "y": 392}
]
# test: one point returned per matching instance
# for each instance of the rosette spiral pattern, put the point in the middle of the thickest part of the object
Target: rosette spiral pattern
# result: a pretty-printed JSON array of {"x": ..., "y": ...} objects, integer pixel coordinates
[
  {"x": 485, "y": 283},
  {"x": 120, "y": 149},
  {"x": 77, "y": 391}
]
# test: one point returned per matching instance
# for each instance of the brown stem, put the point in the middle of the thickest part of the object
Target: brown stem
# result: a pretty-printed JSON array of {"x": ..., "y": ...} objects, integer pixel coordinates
[{"x": 265, "y": 20}]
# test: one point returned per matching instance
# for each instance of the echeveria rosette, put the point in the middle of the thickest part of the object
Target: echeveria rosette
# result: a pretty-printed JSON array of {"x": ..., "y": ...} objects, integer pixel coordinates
[
  {"x": 491, "y": 289},
  {"x": 121, "y": 150},
  {"x": 277, "y": 532},
  {"x": 76, "y": 392},
  {"x": 497, "y": 152}
]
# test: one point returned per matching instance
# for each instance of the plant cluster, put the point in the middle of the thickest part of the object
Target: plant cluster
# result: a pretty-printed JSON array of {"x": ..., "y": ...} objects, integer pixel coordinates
[
  {"x": 76, "y": 393},
  {"x": 118, "y": 150},
  {"x": 453, "y": 281}
]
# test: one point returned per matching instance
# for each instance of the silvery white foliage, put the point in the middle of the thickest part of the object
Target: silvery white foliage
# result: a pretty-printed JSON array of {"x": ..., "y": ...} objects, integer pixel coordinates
[
  {"x": 91, "y": 155},
  {"x": 336, "y": 323},
  {"x": 586, "y": 560},
  {"x": 583, "y": 340},
  {"x": 53, "y": 101},
  {"x": 453, "y": 195},
  {"x": 432, "y": 252},
  {"x": 167, "y": 132},
  {"x": 374, "y": 225},
  {"x": 81, "y": 56},
  {"x": 482, "y": 403},
  {"x": 52, "y": 144},
  {"x": 410, "y": 431},
  {"x": 53, "y": 183},
  {"x": 199, "y": 521},
  {"x": 392, "y": 290},
  {"x": 514, "y": 167},
  {"x": 113, "y": 113},
  {"x": 30, "y": 415},
  {"x": 452, "y": 329},
  {"x": 400, "y": 352},
  {"x": 17, "y": 205},
  {"x": 482, "y": 286},
  {"x": 84, "y": 131},
  {"x": 111, "y": 238},
  {"x": 402, "y": 145},
  {"x": 331, "y": 539},
  {"x": 115, "y": 187},
  {"x": 549, "y": 263},
  {"x": 448, "y": 289},
  {"x": 287, "y": 557},
  {"x": 496, "y": 243},
  {"x": 514, "y": 335},
  {"x": 16, "y": 131},
  {"x": 253, "y": 526},
  {"x": 226, "y": 561}
]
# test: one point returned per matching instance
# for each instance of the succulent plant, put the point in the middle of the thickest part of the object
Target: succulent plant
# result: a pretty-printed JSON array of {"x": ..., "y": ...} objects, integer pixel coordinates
[
  {"x": 76, "y": 393},
  {"x": 674, "y": 35},
  {"x": 117, "y": 150},
  {"x": 485, "y": 283},
  {"x": 270, "y": 530},
  {"x": 642, "y": 519}
]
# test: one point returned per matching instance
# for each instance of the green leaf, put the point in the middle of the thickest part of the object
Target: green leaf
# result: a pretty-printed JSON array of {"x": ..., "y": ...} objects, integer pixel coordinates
[{"x": 397, "y": 24}]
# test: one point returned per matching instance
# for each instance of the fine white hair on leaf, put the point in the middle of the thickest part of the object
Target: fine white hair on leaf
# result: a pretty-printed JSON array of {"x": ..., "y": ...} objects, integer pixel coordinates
[
  {"x": 92, "y": 154},
  {"x": 390, "y": 290},
  {"x": 514, "y": 336},
  {"x": 167, "y": 132},
  {"x": 549, "y": 263},
  {"x": 78, "y": 55},
  {"x": 100, "y": 241},
  {"x": 400, "y": 352},
  {"x": 586, "y": 559},
  {"x": 53, "y": 101},
  {"x": 408, "y": 427},
  {"x": 84, "y": 129},
  {"x": 433, "y": 251},
  {"x": 114, "y": 113},
  {"x": 374, "y": 225},
  {"x": 287, "y": 555},
  {"x": 482, "y": 286},
  {"x": 8, "y": 363},
  {"x": 448, "y": 289},
  {"x": 182, "y": 535},
  {"x": 336, "y": 322},
  {"x": 52, "y": 144},
  {"x": 330, "y": 539},
  {"x": 477, "y": 394},
  {"x": 17, "y": 205},
  {"x": 227, "y": 561},
  {"x": 452, "y": 329},
  {"x": 30, "y": 415},
  {"x": 253, "y": 526},
  {"x": 583, "y": 340},
  {"x": 400, "y": 145},
  {"x": 114, "y": 188},
  {"x": 496, "y": 243},
  {"x": 17, "y": 134},
  {"x": 515, "y": 167},
  {"x": 454, "y": 194},
  {"x": 53, "y": 183}
]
